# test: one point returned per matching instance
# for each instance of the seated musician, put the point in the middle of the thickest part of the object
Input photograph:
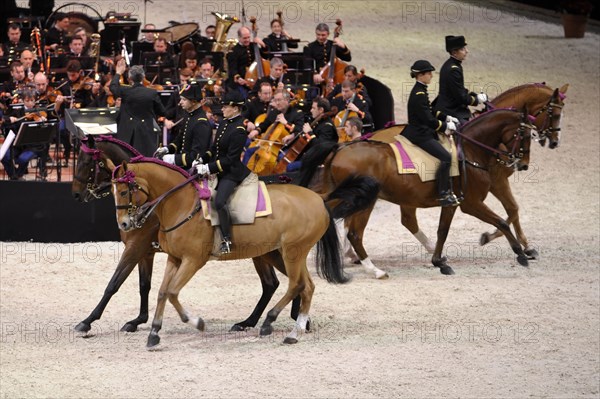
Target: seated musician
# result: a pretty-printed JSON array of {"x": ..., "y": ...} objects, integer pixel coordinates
[
  {"x": 17, "y": 82},
  {"x": 354, "y": 128},
  {"x": 101, "y": 95},
  {"x": 354, "y": 102},
  {"x": 76, "y": 51},
  {"x": 323, "y": 132},
  {"x": 42, "y": 88},
  {"x": 81, "y": 33},
  {"x": 190, "y": 60},
  {"x": 239, "y": 59},
  {"x": 30, "y": 64},
  {"x": 56, "y": 37},
  {"x": 213, "y": 86},
  {"x": 282, "y": 112},
  {"x": 320, "y": 50},
  {"x": 162, "y": 56},
  {"x": 274, "y": 41},
  {"x": 195, "y": 136},
  {"x": 14, "y": 46},
  {"x": 423, "y": 128},
  {"x": 22, "y": 155},
  {"x": 351, "y": 74},
  {"x": 223, "y": 159},
  {"x": 258, "y": 106},
  {"x": 275, "y": 79}
]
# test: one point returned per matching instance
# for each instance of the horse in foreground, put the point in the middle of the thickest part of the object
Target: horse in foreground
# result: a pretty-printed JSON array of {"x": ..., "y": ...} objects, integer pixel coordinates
[
  {"x": 299, "y": 221},
  {"x": 541, "y": 101},
  {"x": 482, "y": 140},
  {"x": 92, "y": 180}
]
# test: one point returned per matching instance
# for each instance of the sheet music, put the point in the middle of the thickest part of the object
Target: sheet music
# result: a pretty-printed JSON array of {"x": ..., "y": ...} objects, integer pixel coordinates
[{"x": 7, "y": 143}]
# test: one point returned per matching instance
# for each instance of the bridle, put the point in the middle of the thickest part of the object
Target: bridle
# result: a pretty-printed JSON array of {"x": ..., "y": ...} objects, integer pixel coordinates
[
  {"x": 514, "y": 155},
  {"x": 547, "y": 127},
  {"x": 91, "y": 184},
  {"x": 139, "y": 213}
]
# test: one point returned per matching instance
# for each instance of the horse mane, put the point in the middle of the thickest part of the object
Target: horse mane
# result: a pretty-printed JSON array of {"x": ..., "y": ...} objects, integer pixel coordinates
[
  {"x": 484, "y": 116},
  {"x": 122, "y": 144}
]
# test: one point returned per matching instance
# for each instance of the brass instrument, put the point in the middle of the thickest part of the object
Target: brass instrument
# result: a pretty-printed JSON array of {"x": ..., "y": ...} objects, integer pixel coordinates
[
  {"x": 223, "y": 24},
  {"x": 94, "y": 52}
]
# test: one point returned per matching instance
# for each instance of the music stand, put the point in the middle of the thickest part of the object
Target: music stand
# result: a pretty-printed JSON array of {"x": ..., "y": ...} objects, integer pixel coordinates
[{"x": 37, "y": 133}]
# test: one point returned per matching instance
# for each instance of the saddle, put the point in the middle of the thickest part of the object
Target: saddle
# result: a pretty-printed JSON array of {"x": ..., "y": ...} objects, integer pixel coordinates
[
  {"x": 249, "y": 201},
  {"x": 412, "y": 159}
]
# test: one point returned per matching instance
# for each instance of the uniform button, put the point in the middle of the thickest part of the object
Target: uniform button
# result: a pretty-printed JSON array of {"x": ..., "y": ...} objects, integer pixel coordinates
[
  {"x": 130, "y": 119},
  {"x": 142, "y": 120}
]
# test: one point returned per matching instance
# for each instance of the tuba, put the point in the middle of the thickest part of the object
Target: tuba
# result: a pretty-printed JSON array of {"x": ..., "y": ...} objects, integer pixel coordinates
[
  {"x": 94, "y": 51},
  {"x": 224, "y": 23}
]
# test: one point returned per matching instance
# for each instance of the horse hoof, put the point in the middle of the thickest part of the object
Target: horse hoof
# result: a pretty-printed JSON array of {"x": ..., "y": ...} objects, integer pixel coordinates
[
  {"x": 381, "y": 275},
  {"x": 128, "y": 327},
  {"x": 446, "y": 270},
  {"x": 290, "y": 341},
  {"x": 153, "y": 340},
  {"x": 356, "y": 261},
  {"x": 308, "y": 325},
  {"x": 237, "y": 328},
  {"x": 532, "y": 254},
  {"x": 484, "y": 239},
  {"x": 83, "y": 327},
  {"x": 266, "y": 330},
  {"x": 200, "y": 324},
  {"x": 522, "y": 259}
]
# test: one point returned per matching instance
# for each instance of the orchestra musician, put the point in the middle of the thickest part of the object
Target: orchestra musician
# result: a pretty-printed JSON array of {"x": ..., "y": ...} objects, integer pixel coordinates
[
  {"x": 30, "y": 64},
  {"x": 354, "y": 128},
  {"x": 14, "y": 46},
  {"x": 273, "y": 42},
  {"x": 17, "y": 82},
  {"x": 22, "y": 155},
  {"x": 275, "y": 77},
  {"x": 190, "y": 60},
  {"x": 320, "y": 50},
  {"x": 195, "y": 135},
  {"x": 354, "y": 102},
  {"x": 239, "y": 59},
  {"x": 56, "y": 37},
  {"x": 136, "y": 121},
  {"x": 76, "y": 50},
  {"x": 258, "y": 106},
  {"x": 351, "y": 74}
]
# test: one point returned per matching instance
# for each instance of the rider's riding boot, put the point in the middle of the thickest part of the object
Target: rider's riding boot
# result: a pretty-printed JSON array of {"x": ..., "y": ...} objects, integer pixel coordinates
[
  {"x": 225, "y": 226},
  {"x": 448, "y": 198}
]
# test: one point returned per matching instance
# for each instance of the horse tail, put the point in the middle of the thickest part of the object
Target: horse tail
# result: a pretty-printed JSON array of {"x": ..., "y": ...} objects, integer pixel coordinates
[
  {"x": 330, "y": 263},
  {"x": 354, "y": 194}
]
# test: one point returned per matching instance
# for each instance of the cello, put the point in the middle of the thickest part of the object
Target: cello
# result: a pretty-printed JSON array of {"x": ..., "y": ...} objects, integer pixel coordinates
[
  {"x": 299, "y": 143},
  {"x": 340, "y": 121},
  {"x": 260, "y": 67},
  {"x": 333, "y": 71}
]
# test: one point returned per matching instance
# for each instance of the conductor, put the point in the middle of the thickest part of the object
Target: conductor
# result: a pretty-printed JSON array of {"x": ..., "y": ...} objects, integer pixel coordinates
[{"x": 136, "y": 121}]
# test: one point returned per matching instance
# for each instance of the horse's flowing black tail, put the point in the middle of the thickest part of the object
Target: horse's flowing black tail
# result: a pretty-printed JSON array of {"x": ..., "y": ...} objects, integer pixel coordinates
[
  {"x": 311, "y": 161},
  {"x": 330, "y": 264},
  {"x": 354, "y": 194}
]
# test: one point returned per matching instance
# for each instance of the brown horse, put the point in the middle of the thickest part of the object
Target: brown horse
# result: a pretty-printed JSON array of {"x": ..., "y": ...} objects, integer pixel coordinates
[
  {"x": 481, "y": 139},
  {"x": 299, "y": 221},
  {"x": 92, "y": 180},
  {"x": 546, "y": 105}
]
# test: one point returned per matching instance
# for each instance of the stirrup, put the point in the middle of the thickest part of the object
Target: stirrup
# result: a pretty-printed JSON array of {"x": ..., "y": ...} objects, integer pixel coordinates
[
  {"x": 449, "y": 199},
  {"x": 225, "y": 247}
]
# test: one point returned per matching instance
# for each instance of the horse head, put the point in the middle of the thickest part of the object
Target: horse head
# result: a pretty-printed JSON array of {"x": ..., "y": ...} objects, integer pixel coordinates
[
  {"x": 130, "y": 193},
  {"x": 549, "y": 126}
]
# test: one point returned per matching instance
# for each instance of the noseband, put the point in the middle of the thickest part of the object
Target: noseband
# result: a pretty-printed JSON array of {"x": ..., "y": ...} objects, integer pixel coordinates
[
  {"x": 132, "y": 187},
  {"x": 547, "y": 127}
]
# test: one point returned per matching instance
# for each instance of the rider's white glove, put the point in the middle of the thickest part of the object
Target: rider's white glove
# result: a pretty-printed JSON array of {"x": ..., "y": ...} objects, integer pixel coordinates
[
  {"x": 196, "y": 162},
  {"x": 203, "y": 170},
  {"x": 481, "y": 98},
  {"x": 161, "y": 151},
  {"x": 450, "y": 127},
  {"x": 451, "y": 119},
  {"x": 169, "y": 158}
]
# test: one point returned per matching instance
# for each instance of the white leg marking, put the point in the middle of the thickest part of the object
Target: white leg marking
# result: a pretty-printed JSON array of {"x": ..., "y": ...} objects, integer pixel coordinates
[
  {"x": 371, "y": 268},
  {"x": 419, "y": 235}
]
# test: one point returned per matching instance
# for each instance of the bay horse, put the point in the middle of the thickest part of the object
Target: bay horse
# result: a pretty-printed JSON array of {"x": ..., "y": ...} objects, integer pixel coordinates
[
  {"x": 546, "y": 105},
  {"x": 92, "y": 180},
  {"x": 299, "y": 220},
  {"x": 481, "y": 140}
]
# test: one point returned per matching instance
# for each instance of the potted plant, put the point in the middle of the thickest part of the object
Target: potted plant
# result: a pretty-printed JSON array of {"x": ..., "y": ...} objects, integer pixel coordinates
[{"x": 574, "y": 15}]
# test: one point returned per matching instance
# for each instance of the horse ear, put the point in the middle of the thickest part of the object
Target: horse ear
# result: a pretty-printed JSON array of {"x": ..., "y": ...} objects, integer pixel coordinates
[
  {"x": 124, "y": 166},
  {"x": 564, "y": 88},
  {"x": 110, "y": 165},
  {"x": 91, "y": 142}
]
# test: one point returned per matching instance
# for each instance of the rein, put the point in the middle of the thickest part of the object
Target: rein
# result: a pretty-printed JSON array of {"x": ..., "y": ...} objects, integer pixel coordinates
[
  {"x": 547, "y": 127},
  {"x": 514, "y": 155}
]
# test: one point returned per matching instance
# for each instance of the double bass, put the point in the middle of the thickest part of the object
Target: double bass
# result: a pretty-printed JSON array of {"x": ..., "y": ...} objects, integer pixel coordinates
[
  {"x": 260, "y": 67},
  {"x": 333, "y": 71}
]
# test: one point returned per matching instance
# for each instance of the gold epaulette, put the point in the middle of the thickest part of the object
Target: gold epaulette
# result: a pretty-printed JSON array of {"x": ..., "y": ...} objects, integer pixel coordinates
[
  {"x": 419, "y": 92},
  {"x": 455, "y": 66},
  {"x": 203, "y": 119}
]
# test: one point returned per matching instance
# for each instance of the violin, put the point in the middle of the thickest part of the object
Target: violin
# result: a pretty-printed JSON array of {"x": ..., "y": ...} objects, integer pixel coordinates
[
  {"x": 36, "y": 116},
  {"x": 333, "y": 72},
  {"x": 151, "y": 85},
  {"x": 85, "y": 83},
  {"x": 300, "y": 143}
]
